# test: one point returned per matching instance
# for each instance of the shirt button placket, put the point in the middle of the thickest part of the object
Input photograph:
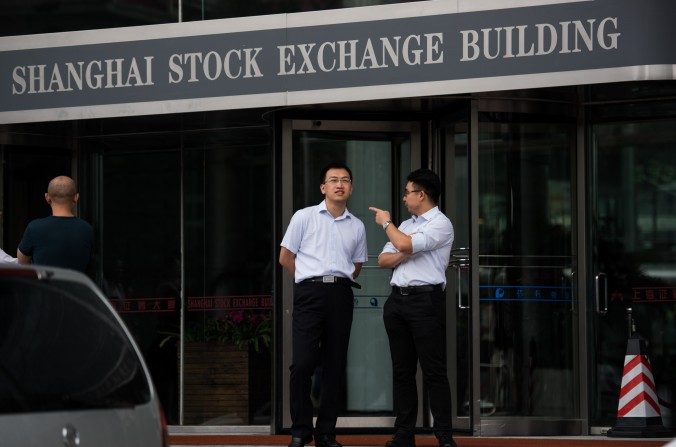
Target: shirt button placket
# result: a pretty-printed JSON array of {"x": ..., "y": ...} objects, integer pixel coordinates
[{"x": 332, "y": 246}]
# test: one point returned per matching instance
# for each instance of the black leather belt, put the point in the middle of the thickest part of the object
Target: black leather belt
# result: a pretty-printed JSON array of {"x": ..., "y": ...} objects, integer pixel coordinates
[
  {"x": 331, "y": 279},
  {"x": 414, "y": 290}
]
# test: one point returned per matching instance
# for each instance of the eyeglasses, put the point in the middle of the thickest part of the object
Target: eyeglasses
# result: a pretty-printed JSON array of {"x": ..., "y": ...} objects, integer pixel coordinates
[
  {"x": 407, "y": 192},
  {"x": 336, "y": 180}
]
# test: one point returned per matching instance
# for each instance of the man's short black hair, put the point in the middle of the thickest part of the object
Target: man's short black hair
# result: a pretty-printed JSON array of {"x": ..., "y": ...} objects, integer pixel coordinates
[
  {"x": 428, "y": 181},
  {"x": 333, "y": 165}
]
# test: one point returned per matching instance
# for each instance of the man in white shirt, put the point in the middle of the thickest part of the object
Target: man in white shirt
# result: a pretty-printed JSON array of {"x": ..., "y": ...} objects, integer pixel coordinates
[
  {"x": 7, "y": 259},
  {"x": 415, "y": 312},
  {"x": 323, "y": 249}
]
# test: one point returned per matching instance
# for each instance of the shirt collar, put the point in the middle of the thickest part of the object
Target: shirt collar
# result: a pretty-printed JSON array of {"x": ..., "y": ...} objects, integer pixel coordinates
[
  {"x": 429, "y": 215},
  {"x": 323, "y": 209}
]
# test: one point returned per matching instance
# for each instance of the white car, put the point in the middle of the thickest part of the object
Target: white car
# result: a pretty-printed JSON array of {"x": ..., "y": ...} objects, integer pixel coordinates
[{"x": 70, "y": 373}]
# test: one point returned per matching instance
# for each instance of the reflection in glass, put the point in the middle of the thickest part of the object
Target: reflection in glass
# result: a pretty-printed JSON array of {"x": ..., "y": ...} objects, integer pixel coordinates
[
  {"x": 27, "y": 172},
  {"x": 200, "y": 10},
  {"x": 527, "y": 361},
  {"x": 634, "y": 193},
  {"x": 44, "y": 16},
  {"x": 228, "y": 277},
  {"x": 141, "y": 252}
]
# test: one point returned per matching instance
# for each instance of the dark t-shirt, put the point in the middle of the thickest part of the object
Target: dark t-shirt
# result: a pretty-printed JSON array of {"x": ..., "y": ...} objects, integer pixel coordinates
[{"x": 59, "y": 242}]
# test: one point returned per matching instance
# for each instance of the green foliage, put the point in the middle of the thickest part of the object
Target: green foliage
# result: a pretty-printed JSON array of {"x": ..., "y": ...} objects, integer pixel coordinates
[{"x": 241, "y": 328}]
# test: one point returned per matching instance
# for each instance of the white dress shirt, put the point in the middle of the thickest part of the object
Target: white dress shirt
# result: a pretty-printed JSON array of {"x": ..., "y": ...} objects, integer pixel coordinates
[
  {"x": 7, "y": 259},
  {"x": 325, "y": 245},
  {"x": 432, "y": 237}
]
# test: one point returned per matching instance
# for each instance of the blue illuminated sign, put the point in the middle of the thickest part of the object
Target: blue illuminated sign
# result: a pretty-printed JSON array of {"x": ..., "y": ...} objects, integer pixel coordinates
[{"x": 525, "y": 293}]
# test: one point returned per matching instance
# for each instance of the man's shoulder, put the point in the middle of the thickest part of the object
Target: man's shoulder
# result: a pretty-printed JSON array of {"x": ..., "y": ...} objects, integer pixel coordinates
[
  {"x": 436, "y": 214},
  {"x": 38, "y": 223},
  {"x": 60, "y": 222},
  {"x": 83, "y": 223},
  {"x": 306, "y": 212},
  {"x": 443, "y": 217},
  {"x": 82, "y": 227},
  {"x": 309, "y": 209},
  {"x": 441, "y": 222},
  {"x": 440, "y": 218}
]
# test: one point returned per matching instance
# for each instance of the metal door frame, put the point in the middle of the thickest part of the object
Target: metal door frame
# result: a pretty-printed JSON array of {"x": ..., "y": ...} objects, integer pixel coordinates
[
  {"x": 285, "y": 283},
  {"x": 514, "y": 425}
]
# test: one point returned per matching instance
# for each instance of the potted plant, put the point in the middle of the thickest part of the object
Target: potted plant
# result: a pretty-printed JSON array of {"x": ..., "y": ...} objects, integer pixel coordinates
[
  {"x": 217, "y": 353},
  {"x": 243, "y": 328}
]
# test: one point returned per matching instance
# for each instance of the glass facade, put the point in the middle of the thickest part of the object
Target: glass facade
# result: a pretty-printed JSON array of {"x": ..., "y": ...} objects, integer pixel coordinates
[
  {"x": 183, "y": 210},
  {"x": 140, "y": 246},
  {"x": 229, "y": 264},
  {"x": 21, "y": 17},
  {"x": 186, "y": 210},
  {"x": 527, "y": 304},
  {"x": 574, "y": 237},
  {"x": 634, "y": 253}
]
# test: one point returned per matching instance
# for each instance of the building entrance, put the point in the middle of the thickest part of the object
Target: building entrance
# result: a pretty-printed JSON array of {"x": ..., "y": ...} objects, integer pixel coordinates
[
  {"x": 633, "y": 259},
  {"x": 561, "y": 223},
  {"x": 510, "y": 192},
  {"x": 380, "y": 155}
]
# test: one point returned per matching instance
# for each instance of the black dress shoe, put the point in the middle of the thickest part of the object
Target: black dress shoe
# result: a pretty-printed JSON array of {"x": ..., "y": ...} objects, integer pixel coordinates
[
  {"x": 401, "y": 439},
  {"x": 446, "y": 440},
  {"x": 327, "y": 441},
  {"x": 300, "y": 441}
]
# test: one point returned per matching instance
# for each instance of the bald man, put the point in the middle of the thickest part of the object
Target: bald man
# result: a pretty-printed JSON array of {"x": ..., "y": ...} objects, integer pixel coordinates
[{"x": 60, "y": 240}]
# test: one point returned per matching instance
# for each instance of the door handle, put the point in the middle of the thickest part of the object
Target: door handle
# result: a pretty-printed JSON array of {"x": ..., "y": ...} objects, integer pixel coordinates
[
  {"x": 598, "y": 279},
  {"x": 71, "y": 437},
  {"x": 458, "y": 267},
  {"x": 460, "y": 259}
]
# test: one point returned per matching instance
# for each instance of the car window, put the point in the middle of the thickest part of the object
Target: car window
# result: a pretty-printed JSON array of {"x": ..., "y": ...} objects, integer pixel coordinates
[{"x": 62, "y": 349}]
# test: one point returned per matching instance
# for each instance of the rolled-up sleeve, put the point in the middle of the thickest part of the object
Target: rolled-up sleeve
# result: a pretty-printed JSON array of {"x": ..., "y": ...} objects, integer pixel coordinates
[
  {"x": 389, "y": 248},
  {"x": 435, "y": 234}
]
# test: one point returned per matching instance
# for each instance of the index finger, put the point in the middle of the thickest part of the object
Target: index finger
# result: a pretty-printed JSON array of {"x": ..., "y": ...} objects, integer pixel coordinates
[{"x": 374, "y": 209}]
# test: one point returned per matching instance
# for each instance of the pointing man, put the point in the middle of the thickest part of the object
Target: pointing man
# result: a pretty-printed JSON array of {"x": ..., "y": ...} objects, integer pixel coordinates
[{"x": 415, "y": 312}]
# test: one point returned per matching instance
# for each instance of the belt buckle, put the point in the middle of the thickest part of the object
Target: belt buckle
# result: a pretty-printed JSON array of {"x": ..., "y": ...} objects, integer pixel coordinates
[
  {"x": 404, "y": 291},
  {"x": 328, "y": 279}
]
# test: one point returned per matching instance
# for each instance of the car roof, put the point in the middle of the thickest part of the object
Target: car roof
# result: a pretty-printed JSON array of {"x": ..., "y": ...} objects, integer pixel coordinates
[{"x": 44, "y": 272}]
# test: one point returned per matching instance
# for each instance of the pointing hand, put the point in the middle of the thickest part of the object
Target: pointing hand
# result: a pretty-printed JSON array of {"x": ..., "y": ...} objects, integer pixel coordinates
[{"x": 381, "y": 216}]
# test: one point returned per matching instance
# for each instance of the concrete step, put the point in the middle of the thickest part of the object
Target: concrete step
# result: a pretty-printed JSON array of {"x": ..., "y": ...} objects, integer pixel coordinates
[{"x": 180, "y": 440}]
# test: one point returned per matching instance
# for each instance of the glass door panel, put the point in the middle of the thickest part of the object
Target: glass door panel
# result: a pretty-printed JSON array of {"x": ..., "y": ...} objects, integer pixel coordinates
[
  {"x": 27, "y": 172},
  {"x": 140, "y": 251},
  {"x": 380, "y": 156},
  {"x": 228, "y": 270},
  {"x": 527, "y": 348},
  {"x": 458, "y": 279},
  {"x": 633, "y": 224}
]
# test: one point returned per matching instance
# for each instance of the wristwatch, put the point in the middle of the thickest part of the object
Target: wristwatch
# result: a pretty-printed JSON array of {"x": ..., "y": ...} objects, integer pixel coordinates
[{"x": 386, "y": 223}]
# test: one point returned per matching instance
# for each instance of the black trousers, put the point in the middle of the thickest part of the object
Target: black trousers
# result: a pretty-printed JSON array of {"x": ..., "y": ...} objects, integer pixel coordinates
[
  {"x": 321, "y": 323},
  {"x": 416, "y": 329}
]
